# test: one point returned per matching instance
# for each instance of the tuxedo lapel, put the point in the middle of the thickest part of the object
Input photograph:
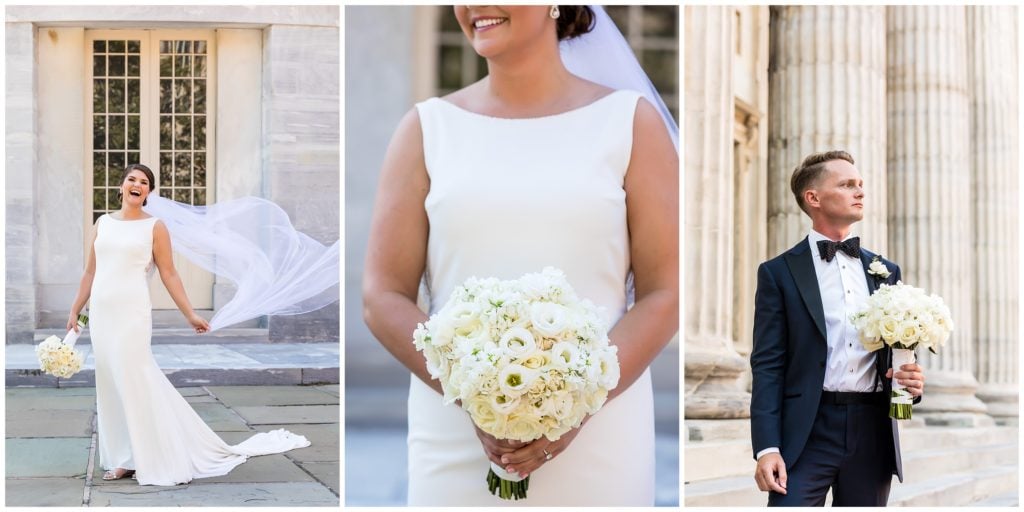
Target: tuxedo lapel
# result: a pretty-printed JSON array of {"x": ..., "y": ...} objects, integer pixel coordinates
[
  {"x": 883, "y": 356},
  {"x": 802, "y": 268}
]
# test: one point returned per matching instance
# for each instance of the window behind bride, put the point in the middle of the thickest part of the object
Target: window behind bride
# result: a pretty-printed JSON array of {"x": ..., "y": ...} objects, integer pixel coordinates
[
  {"x": 172, "y": 256},
  {"x": 520, "y": 260}
]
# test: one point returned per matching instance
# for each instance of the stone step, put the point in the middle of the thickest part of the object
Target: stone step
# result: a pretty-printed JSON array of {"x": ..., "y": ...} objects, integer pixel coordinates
[
  {"x": 200, "y": 365},
  {"x": 1006, "y": 499},
  {"x": 717, "y": 459},
  {"x": 182, "y": 336},
  {"x": 707, "y": 460},
  {"x": 923, "y": 465},
  {"x": 960, "y": 488},
  {"x": 925, "y": 438},
  {"x": 963, "y": 488}
]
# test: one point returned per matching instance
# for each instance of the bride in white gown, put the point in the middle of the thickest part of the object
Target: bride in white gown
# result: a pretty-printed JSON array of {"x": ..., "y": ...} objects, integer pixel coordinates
[
  {"x": 146, "y": 428},
  {"x": 531, "y": 166}
]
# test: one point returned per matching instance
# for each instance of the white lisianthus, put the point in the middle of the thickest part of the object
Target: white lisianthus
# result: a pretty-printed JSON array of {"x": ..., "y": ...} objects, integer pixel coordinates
[
  {"x": 518, "y": 342},
  {"x": 515, "y": 379},
  {"x": 549, "y": 319}
]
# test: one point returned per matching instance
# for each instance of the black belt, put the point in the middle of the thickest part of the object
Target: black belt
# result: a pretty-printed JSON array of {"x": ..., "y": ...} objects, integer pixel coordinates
[{"x": 844, "y": 398}]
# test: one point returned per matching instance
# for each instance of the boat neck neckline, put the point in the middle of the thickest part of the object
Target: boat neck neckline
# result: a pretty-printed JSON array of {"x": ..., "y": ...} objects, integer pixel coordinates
[{"x": 534, "y": 118}]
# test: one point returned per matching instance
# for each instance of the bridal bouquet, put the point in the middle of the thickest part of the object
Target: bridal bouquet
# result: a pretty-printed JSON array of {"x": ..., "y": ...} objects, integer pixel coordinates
[
  {"x": 58, "y": 357},
  {"x": 904, "y": 318},
  {"x": 526, "y": 358}
]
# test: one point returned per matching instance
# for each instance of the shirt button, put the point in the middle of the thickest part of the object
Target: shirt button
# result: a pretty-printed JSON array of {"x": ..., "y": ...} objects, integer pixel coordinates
[
  {"x": 851, "y": 370},
  {"x": 847, "y": 291}
]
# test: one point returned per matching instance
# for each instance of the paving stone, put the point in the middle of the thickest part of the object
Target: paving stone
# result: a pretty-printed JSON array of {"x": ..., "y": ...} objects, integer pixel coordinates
[
  {"x": 17, "y": 404},
  {"x": 265, "y": 468},
  {"x": 300, "y": 494},
  {"x": 289, "y": 414},
  {"x": 49, "y": 423},
  {"x": 323, "y": 439},
  {"x": 31, "y": 393},
  {"x": 44, "y": 492},
  {"x": 329, "y": 388},
  {"x": 193, "y": 391},
  {"x": 326, "y": 472},
  {"x": 235, "y": 396},
  {"x": 235, "y": 377},
  {"x": 220, "y": 418},
  {"x": 320, "y": 375},
  {"x": 52, "y": 457}
]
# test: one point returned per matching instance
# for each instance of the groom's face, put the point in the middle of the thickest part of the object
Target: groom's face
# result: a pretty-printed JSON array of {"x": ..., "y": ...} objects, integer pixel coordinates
[{"x": 839, "y": 194}]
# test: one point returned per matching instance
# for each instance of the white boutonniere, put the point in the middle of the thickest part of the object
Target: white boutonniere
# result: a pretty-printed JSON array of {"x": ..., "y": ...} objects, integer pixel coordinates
[{"x": 878, "y": 269}]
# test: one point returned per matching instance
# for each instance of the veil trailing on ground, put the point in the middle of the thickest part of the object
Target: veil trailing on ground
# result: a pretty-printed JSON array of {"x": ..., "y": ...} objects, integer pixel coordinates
[
  {"x": 603, "y": 56},
  {"x": 277, "y": 269}
]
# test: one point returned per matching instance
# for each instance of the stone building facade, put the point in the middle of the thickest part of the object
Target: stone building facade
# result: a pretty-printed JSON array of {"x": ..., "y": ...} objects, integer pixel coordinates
[
  {"x": 221, "y": 102},
  {"x": 926, "y": 100}
]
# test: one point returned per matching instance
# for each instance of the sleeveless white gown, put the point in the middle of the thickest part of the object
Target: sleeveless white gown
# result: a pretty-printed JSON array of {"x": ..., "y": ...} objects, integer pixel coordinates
[
  {"x": 144, "y": 423},
  {"x": 511, "y": 196}
]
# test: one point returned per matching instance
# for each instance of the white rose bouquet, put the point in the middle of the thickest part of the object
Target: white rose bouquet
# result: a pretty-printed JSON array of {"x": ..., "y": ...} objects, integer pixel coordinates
[
  {"x": 526, "y": 358},
  {"x": 58, "y": 357},
  {"x": 904, "y": 318}
]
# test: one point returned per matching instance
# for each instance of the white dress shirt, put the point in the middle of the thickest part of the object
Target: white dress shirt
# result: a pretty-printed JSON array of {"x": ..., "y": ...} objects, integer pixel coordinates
[{"x": 844, "y": 288}]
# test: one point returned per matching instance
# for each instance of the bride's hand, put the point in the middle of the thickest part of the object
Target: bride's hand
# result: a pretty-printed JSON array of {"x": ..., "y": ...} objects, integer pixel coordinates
[
  {"x": 529, "y": 458},
  {"x": 199, "y": 323},
  {"x": 73, "y": 322},
  {"x": 494, "y": 447}
]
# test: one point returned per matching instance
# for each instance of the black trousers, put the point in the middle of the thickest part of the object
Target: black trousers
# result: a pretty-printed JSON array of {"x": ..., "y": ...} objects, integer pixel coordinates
[{"x": 850, "y": 450}]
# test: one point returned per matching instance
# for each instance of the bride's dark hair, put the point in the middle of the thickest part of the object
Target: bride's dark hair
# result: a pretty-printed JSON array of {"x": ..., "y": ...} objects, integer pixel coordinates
[
  {"x": 574, "y": 21},
  {"x": 145, "y": 170}
]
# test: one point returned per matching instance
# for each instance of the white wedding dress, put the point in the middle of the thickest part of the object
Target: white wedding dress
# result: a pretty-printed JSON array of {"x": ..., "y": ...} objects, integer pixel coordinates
[
  {"x": 511, "y": 196},
  {"x": 144, "y": 423}
]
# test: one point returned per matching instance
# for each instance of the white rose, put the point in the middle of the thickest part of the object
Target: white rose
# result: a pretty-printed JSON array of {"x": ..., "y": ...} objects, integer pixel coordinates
[
  {"x": 549, "y": 319},
  {"x": 523, "y": 427},
  {"x": 485, "y": 416},
  {"x": 538, "y": 359},
  {"x": 878, "y": 268}
]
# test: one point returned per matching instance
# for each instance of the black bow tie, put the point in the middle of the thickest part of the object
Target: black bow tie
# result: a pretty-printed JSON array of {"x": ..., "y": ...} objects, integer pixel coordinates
[{"x": 828, "y": 248}]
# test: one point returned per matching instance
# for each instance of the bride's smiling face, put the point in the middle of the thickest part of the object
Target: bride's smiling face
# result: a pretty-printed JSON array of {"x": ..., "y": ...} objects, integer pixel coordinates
[
  {"x": 495, "y": 29},
  {"x": 135, "y": 188}
]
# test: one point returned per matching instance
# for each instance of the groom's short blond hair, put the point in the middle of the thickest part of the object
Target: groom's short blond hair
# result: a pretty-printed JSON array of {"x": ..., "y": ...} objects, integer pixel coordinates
[{"x": 807, "y": 174}]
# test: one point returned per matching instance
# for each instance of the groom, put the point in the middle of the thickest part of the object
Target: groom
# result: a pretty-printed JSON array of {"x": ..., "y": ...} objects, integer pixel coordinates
[{"x": 819, "y": 409}]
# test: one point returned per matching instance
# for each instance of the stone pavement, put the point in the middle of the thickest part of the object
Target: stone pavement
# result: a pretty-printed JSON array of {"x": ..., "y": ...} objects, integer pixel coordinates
[
  {"x": 375, "y": 462},
  {"x": 51, "y": 457},
  {"x": 220, "y": 364}
]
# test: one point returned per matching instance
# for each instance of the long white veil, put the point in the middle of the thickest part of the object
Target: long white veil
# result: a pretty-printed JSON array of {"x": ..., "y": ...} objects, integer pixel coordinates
[
  {"x": 603, "y": 56},
  {"x": 277, "y": 269}
]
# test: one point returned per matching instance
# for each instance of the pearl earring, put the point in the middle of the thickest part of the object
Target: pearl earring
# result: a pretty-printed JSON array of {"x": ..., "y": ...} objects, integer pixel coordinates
[{"x": 554, "y": 12}]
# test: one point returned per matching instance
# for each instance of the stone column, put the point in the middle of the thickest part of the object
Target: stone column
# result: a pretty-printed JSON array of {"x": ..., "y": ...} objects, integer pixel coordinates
[
  {"x": 930, "y": 191},
  {"x": 19, "y": 165},
  {"x": 992, "y": 74},
  {"x": 714, "y": 388},
  {"x": 826, "y": 77}
]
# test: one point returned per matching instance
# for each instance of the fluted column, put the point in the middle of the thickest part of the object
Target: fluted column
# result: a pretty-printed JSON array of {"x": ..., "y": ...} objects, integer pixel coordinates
[
  {"x": 826, "y": 91},
  {"x": 714, "y": 388},
  {"x": 992, "y": 57},
  {"x": 930, "y": 190}
]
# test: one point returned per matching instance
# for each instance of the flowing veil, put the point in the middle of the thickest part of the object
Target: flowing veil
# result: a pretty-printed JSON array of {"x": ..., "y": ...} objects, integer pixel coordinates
[
  {"x": 277, "y": 269},
  {"x": 603, "y": 56}
]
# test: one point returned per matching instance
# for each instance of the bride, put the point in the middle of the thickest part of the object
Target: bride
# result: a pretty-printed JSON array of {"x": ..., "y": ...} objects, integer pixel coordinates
[
  {"x": 532, "y": 166},
  {"x": 146, "y": 429}
]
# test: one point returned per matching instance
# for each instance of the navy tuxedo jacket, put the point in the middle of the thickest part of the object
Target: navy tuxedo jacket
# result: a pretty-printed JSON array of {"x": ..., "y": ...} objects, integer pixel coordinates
[{"x": 790, "y": 348}]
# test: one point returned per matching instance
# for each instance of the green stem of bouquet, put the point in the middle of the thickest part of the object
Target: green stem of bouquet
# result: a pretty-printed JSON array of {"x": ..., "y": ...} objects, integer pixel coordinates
[{"x": 506, "y": 489}]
